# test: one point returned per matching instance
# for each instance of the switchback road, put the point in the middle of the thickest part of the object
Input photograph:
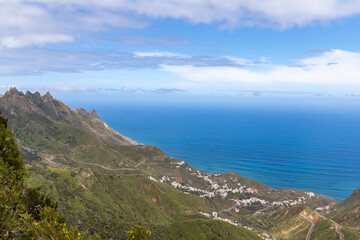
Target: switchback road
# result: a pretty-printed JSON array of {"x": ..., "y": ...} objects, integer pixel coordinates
[{"x": 311, "y": 228}]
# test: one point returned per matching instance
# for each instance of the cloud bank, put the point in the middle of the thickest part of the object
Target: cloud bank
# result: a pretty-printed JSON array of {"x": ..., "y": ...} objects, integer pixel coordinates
[
  {"x": 328, "y": 68},
  {"x": 332, "y": 68},
  {"x": 22, "y": 21}
]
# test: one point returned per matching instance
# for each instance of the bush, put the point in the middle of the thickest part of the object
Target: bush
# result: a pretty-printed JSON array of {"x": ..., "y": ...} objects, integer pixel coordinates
[{"x": 138, "y": 233}]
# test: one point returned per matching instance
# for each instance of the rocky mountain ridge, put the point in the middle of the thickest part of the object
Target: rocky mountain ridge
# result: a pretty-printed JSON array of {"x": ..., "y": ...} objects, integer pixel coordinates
[{"x": 55, "y": 110}]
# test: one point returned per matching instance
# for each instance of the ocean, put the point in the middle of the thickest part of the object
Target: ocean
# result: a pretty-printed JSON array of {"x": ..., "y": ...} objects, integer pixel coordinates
[{"x": 310, "y": 144}]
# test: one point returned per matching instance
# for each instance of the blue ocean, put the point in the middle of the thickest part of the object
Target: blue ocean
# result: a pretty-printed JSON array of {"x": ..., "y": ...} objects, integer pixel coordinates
[{"x": 311, "y": 144}]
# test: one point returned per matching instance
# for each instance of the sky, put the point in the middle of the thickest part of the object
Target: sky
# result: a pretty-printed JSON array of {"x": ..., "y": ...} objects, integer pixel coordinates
[{"x": 181, "y": 48}]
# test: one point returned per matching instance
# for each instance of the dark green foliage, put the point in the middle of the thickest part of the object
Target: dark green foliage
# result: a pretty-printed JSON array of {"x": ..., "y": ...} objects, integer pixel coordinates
[
  {"x": 35, "y": 201},
  {"x": 11, "y": 179},
  {"x": 9, "y": 152},
  {"x": 30, "y": 215}
]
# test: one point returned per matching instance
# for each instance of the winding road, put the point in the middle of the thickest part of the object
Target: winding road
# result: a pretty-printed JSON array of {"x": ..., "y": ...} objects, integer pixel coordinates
[
  {"x": 338, "y": 228},
  {"x": 311, "y": 228}
]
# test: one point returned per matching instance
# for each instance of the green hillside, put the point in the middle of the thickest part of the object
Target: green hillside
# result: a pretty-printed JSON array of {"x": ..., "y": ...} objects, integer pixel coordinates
[
  {"x": 25, "y": 213},
  {"x": 347, "y": 212},
  {"x": 105, "y": 182}
]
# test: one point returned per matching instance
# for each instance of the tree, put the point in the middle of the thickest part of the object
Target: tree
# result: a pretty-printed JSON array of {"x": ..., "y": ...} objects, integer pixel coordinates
[
  {"x": 12, "y": 171},
  {"x": 26, "y": 213},
  {"x": 9, "y": 151}
]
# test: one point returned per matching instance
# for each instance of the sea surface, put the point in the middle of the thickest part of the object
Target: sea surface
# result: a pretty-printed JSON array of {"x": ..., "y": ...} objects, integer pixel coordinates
[{"x": 309, "y": 144}]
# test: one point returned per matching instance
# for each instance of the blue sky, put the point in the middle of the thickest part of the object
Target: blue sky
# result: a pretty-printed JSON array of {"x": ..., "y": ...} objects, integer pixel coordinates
[{"x": 182, "y": 48}]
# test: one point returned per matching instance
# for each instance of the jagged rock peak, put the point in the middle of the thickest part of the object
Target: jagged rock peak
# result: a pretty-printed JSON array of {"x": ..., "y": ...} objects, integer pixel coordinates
[
  {"x": 14, "y": 91},
  {"x": 33, "y": 96},
  {"x": 48, "y": 96},
  {"x": 94, "y": 114}
]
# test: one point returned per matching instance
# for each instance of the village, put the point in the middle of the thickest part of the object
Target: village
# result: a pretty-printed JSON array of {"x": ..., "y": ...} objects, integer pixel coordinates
[{"x": 216, "y": 189}]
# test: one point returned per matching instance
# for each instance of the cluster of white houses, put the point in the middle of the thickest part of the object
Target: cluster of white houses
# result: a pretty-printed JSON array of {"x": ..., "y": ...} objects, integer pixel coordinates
[
  {"x": 216, "y": 190},
  {"x": 284, "y": 203},
  {"x": 291, "y": 202},
  {"x": 215, "y": 216},
  {"x": 250, "y": 201},
  {"x": 326, "y": 208}
]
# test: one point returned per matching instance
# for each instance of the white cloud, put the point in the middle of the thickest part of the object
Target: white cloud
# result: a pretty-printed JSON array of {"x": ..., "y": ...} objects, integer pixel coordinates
[
  {"x": 275, "y": 13},
  {"x": 55, "y": 21},
  {"x": 30, "y": 61},
  {"x": 332, "y": 68},
  {"x": 33, "y": 39},
  {"x": 67, "y": 89},
  {"x": 243, "y": 61},
  {"x": 160, "y": 55},
  {"x": 24, "y": 23}
]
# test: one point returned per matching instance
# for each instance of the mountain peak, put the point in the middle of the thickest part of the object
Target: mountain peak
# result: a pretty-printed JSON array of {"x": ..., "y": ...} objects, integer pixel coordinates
[
  {"x": 94, "y": 114},
  {"x": 13, "y": 91},
  {"x": 48, "y": 96},
  {"x": 16, "y": 103},
  {"x": 35, "y": 97}
]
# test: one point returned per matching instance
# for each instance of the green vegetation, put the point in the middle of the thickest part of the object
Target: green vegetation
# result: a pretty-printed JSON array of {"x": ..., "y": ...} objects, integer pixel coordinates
[
  {"x": 348, "y": 212},
  {"x": 25, "y": 213},
  {"x": 207, "y": 229},
  {"x": 80, "y": 168},
  {"x": 107, "y": 204},
  {"x": 138, "y": 232},
  {"x": 84, "y": 174}
]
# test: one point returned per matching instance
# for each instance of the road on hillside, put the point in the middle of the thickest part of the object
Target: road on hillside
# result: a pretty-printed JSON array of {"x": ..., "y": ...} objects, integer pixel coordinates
[
  {"x": 311, "y": 228},
  {"x": 237, "y": 206},
  {"x": 338, "y": 228},
  {"x": 228, "y": 209},
  {"x": 112, "y": 169}
]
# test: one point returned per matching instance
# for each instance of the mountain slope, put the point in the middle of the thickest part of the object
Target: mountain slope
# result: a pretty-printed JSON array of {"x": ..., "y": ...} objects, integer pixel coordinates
[
  {"x": 79, "y": 161},
  {"x": 296, "y": 223},
  {"x": 104, "y": 181},
  {"x": 347, "y": 212},
  {"x": 47, "y": 111}
]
